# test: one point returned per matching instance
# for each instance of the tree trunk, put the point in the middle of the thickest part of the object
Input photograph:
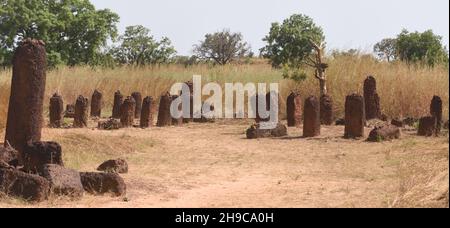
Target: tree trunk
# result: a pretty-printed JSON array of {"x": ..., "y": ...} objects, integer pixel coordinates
[
  {"x": 323, "y": 86},
  {"x": 321, "y": 67}
]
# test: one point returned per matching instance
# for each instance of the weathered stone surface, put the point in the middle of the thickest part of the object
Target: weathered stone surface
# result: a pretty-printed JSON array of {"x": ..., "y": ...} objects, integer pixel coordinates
[
  {"x": 164, "y": 117},
  {"x": 354, "y": 116},
  {"x": 114, "y": 166},
  {"x": 96, "y": 104},
  {"x": 446, "y": 125},
  {"x": 127, "y": 112},
  {"x": 102, "y": 183},
  {"x": 427, "y": 126},
  {"x": 25, "y": 112},
  {"x": 138, "y": 109},
  {"x": 436, "y": 112},
  {"x": 38, "y": 154},
  {"x": 294, "y": 110},
  {"x": 383, "y": 133},
  {"x": 110, "y": 124},
  {"x": 410, "y": 121},
  {"x": 371, "y": 98},
  {"x": 255, "y": 131},
  {"x": 81, "y": 112},
  {"x": 326, "y": 110},
  {"x": 56, "y": 109},
  {"x": 118, "y": 101},
  {"x": 9, "y": 155},
  {"x": 5, "y": 165},
  {"x": 177, "y": 121},
  {"x": 27, "y": 186},
  {"x": 340, "y": 122},
  {"x": 311, "y": 115},
  {"x": 398, "y": 123},
  {"x": 147, "y": 112},
  {"x": 70, "y": 111},
  {"x": 63, "y": 181}
]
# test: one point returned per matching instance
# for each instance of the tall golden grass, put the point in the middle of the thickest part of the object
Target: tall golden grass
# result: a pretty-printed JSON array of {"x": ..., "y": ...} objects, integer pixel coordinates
[{"x": 404, "y": 90}]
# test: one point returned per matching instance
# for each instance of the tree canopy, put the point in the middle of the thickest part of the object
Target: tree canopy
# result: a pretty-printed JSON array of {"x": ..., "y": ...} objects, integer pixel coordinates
[
  {"x": 423, "y": 47},
  {"x": 222, "y": 47},
  {"x": 296, "y": 43},
  {"x": 138, "y": 47},
  {"x": 386, "y": 49},
  {"x": 292, "y": 45},
  {"x": 414, "y": 48},
  {"x": 73, "y": 30}
]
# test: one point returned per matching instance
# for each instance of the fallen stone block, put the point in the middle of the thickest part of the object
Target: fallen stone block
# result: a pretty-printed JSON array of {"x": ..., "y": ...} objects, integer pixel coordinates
[
  {"x": 114, "y": 166},
  {"x": 383, "y": 133},
  {"x": 103, "y": 183},
  {"x": 398, "y": 123},
  {"x": 70, "y": 111},
  {"x": 63, "y": 181},
  {"x": 26, "y": 186},
  {"x": 255, "y": 131},
  {"x": 38, "y": 154},
  {"x": 111, "y": 124}
]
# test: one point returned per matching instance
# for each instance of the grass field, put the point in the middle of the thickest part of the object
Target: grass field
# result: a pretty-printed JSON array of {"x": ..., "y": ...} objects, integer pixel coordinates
[{"x": 404, "y": 90}]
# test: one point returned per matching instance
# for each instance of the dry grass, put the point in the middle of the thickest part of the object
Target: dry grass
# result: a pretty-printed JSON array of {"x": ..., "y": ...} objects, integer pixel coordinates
[{"x": 404, "y": 90}]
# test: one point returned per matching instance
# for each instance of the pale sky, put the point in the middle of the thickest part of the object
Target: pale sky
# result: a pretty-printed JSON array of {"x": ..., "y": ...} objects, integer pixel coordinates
[{"x": 346, "y": 23}]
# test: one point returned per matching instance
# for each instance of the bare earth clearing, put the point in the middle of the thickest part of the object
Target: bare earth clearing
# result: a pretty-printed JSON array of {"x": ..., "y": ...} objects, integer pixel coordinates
[{"x": 213, "y": 165}]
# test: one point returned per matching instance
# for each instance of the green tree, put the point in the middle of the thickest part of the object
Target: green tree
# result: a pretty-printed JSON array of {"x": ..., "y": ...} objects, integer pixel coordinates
[
  {"x": 296, "y": 43},
  {"x": 222, "y": 47},
  {"x": 386, "y": 49},
  {"x": 423, "y": 47},
  {"x": 73, "y": 30},
  {"x": 138, "y": 47}
]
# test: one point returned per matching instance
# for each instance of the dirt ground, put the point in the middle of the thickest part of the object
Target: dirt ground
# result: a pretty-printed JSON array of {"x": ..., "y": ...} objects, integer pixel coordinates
[{"x": 213, "y": 165}]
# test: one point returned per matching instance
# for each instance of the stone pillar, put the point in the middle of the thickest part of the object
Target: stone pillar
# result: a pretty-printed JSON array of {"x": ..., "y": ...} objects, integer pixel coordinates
[
  {"x": 294, "y": 110},
  {"x": 147, "y": 113},
  {"x": 191, "y": 111},
  {"x": 127, "y": 112},
  {"x": 81, "y": 112},
  {"x": 177, "y": 121},
  {"x": 371, "y": 98},
  {"x": 191, "y": 98},
  {"x": 56, "y": 111},
  {"x": 311, "y": 115},
  {"x": 96, "y": 104},
  {"x": 326, "y": 110},
  {"x": 138, "y": 99},
  {"x": 427, "y": 126},
  {"x": 436, "y": 112},
  {"x": 24, "y": 122},
  {"x": 118, "y": 101},
  {"x": 164, "y": 117},
  {"x": 354, "y": 116}
]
